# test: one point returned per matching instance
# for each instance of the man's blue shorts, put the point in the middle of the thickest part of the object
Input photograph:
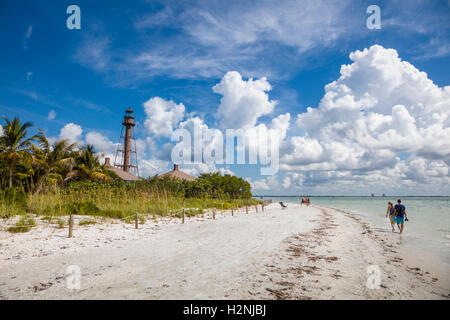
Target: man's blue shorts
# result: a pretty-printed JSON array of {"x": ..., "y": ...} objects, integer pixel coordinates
[{"x": 400, "y": 220}]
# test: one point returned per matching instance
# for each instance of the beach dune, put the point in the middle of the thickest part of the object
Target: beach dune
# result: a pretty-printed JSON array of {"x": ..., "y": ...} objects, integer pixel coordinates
[{"x": 295, "y": 253}]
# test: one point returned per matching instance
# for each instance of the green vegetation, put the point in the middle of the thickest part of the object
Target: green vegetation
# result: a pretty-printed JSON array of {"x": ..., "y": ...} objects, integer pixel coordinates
[
  {"x": 24, "y": 224},
  {"x": 120, "y": 200},
  {"x": 61, "y": 223},
  {"x": 54, "y": 180},
  {"x": 87, "y": 222}
]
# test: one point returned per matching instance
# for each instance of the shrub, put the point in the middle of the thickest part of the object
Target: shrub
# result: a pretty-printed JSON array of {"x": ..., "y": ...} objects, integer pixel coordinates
[
  {"x": 193, "y": 212},
  {"x": 11, "y": 212},
  {"x": 48, "y": 211},
  {"x": 15, "y": 197},
  {"x": 87, "y": 222},
  {"x": 61, "y": 223},
  {"x": 115, "y": 214},
  {"x": 83, "y": 208},
  {"x": 24, "y": 224}
]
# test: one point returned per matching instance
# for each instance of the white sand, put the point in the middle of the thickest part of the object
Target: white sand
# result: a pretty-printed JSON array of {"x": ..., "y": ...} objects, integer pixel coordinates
[{"x": 298, "y": 253}]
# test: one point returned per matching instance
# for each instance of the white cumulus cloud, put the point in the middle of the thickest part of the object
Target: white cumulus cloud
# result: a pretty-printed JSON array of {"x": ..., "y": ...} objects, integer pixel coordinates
[
  {"x": 71, "y": 132},
  {"x": 243, "y": 102},
  {"x": 101, "y": 143},
  {"x": 380, "y": 106},
  {"x": 162, "y": 116},
  {"x": 266, "y": 184}
]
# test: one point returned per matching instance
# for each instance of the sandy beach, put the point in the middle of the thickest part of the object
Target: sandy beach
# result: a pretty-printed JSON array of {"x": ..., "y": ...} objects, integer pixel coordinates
[{"x": 296, "y": 253}]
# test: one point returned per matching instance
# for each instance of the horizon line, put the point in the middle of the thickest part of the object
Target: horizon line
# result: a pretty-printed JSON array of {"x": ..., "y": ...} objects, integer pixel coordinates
[{"x": 386, "y": 196}]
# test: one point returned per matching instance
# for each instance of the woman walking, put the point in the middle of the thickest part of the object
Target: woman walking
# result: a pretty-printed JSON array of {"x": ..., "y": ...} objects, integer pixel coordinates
[{"x": 391, "y": 212}]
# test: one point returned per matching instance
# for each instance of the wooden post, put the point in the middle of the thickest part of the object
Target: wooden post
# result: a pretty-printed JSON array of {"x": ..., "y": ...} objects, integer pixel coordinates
[
  {"x": 183, "y": 216},
  {"x": 246, "y": 209},
  {"x": 136, "y": 221},
  {"x": 256, "y": 208},
  {"x": 214, "y": 213},
  {"x": 70, "y": 226},
  {"x": 262, "y": 207},
  {"x": 232, "y": 211}
]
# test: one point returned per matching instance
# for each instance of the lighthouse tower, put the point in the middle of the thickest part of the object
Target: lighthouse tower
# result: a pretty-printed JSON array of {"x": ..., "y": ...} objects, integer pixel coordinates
[{"x": 126, "y": 155}]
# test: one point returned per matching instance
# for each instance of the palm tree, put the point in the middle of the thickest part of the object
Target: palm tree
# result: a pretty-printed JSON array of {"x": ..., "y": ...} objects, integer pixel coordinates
[
  {"x": 24, "y": 173},
  {"x": 88, "y": 166},
  {"x": 15, "y": 144},
  {"x": 3, "y": 164},
  {"x": 52, "y": 158}
]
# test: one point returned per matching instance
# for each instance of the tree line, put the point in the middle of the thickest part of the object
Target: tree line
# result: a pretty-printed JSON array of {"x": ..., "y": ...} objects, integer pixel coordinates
[
  {"x": 35, "y": 164},
  {"x": 32, "y": 162}
]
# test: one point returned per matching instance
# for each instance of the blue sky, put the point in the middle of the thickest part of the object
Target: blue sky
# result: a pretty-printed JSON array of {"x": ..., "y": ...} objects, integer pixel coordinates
[{"x": 127, "y": 53}]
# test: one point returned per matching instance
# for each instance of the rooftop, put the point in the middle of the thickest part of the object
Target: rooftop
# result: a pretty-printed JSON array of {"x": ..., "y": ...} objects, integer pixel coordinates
[
  {"x": 177, "y": 174},
  {"x": 122, "y": 174}
]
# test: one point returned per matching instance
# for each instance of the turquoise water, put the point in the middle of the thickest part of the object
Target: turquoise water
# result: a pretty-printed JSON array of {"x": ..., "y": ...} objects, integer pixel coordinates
[{"x": 428, "y": 228}]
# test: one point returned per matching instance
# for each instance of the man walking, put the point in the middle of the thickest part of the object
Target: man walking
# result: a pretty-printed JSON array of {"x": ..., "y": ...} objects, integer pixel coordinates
[{"x": 400, "y": 212}]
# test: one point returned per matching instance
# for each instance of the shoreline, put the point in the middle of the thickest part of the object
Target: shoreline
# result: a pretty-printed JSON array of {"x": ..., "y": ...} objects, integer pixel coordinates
[
  {"x": 332, "y": 263},
  {"x": 427, "y": 234},
  {"x": 415, "y": 254},
  {"x": 298, "y": 253}
]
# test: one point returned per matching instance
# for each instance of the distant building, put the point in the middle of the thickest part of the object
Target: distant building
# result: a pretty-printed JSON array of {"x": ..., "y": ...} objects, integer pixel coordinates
[
  {"x": 125, "y": 176},
  {"x": 125, "y": 163},
  {"x": 177, "y": 174},
  {"x": 126, "y": 154},
  {"x": 373, "y": 195},
  {"x": 384, "y": 194}
]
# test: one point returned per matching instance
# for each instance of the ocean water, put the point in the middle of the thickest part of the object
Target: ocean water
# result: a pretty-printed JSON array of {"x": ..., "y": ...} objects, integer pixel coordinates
[{"x": 428, "y": 228}]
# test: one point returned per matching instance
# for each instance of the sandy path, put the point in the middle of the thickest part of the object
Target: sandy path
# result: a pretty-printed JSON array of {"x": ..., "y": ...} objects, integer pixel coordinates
[{"x": 298, "y": 253}]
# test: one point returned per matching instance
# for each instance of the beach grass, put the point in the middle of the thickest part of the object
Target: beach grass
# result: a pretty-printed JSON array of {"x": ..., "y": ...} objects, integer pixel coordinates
[
  {"x": 114, "y": 202},
  {"x": 24, "y": 224},
  {"x": 86, "y": 222}
]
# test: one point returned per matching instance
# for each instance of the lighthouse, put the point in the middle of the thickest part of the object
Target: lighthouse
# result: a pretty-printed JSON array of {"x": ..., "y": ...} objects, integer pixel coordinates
[{"x": 126, "y": 155}]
